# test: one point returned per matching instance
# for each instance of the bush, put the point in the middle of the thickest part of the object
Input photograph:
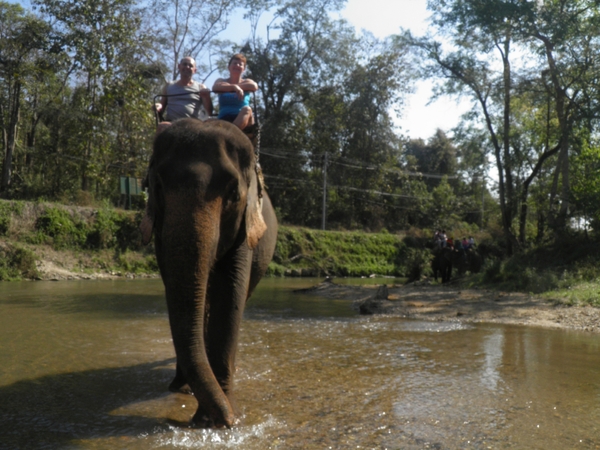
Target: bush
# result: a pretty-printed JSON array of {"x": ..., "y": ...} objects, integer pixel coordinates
[
  {"x": 17, "y": 263},
  {"x": 7, "y": 209},
  {"x": 132, "y": 263},
  {"x": 128, "y": 236},
  {"x": 59, "y": 225},
  {"x": 5, "y": 218},
  {"x": 418, "y": 261},
  {"x": 103, "y": 230}
]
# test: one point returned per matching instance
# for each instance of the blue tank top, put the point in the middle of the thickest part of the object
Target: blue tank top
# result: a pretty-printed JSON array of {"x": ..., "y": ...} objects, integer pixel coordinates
[{"x": 230, "y": 105}]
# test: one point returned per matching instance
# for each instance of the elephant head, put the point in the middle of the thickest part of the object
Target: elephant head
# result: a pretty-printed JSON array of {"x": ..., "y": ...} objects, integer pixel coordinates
[{"x": 214, "y": 237}]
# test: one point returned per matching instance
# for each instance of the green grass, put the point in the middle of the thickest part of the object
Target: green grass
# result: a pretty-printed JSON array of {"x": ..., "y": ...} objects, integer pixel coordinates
[
  {"x": 354, "y": 254},
  {"x": 580, "y": 294}
]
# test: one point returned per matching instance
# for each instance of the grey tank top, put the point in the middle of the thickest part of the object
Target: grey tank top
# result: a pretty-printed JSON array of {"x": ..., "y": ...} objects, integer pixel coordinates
[{"x": 184, "y": 101}]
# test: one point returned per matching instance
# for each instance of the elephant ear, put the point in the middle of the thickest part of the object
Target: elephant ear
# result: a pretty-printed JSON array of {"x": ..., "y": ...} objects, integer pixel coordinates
[{"x": 255, "y": 223}]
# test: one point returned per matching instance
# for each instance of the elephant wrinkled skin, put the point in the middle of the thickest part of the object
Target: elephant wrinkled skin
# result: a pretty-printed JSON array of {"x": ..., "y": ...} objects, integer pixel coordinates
[{"x": 214, "y": 238}]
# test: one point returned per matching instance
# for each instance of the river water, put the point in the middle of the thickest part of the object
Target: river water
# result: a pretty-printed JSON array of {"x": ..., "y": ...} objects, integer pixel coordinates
[{"x": 85, "y": 365}]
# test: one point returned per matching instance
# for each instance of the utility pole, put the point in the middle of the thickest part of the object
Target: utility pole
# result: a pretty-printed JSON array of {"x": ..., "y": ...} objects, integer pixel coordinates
[{"x": 324, "y": 212}]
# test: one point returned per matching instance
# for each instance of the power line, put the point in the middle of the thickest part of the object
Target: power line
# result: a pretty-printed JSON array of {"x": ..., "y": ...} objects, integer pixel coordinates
[{"x": 353, "y": 164}]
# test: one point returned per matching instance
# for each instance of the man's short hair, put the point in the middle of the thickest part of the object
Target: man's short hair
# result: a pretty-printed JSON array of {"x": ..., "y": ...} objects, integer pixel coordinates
[
  {"x": 239, "y": 56},
  {"x": 190, "y": 58}
]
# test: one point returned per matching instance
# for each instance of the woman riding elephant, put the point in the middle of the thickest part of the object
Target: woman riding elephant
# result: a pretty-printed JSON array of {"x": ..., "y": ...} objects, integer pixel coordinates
[
  {"x": 234, "y": 94},
  {"x": 215, "y": 232}
]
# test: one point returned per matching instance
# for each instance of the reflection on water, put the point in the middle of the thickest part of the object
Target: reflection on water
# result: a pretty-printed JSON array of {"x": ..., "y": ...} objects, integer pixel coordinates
[{"x": 85, "y": 365}]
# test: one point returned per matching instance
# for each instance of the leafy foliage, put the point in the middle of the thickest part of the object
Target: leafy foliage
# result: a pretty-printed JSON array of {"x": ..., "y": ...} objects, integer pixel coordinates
[
  {"x": 340, "y": 253},
  {"x": 77, "y": 79},
  {"x": 17, "y": 263}
]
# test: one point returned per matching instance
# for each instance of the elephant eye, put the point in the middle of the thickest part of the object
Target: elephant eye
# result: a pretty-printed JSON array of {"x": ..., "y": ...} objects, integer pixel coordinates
[{"x": 233, "y": 193}]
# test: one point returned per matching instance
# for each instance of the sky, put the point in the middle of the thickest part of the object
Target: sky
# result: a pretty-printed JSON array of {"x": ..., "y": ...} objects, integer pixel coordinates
[{"x": 385, "y": 17}]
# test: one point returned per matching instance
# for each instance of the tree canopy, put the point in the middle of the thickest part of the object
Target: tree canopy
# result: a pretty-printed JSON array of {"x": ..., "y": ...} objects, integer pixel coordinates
[{"x": 77, "y": 80}]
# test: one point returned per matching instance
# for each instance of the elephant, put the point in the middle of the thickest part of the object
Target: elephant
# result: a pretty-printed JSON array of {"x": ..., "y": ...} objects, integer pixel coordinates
[
  {"x": 215, "y": 232},
  {"x": 442, "y": 264},
  {"x": 445, "y": 259}
]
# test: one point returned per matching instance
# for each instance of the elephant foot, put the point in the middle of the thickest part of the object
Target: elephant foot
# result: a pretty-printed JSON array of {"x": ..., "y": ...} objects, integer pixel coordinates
[
  {"x": 179, "y": 383},
  {"x": 203, "y": 420},
  {"x": 180, "y": 388}
]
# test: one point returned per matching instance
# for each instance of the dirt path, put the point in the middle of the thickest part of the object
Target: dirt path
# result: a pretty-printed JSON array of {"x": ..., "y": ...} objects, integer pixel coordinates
[{"x": 449, "y": 303}]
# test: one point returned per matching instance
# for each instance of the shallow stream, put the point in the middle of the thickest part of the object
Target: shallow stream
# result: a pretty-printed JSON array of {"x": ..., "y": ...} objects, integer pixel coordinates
[{"x": 86, "y": 364}]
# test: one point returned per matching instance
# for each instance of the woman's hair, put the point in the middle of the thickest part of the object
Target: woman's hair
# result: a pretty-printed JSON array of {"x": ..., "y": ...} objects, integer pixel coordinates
[{"x": 240, "y": 57}]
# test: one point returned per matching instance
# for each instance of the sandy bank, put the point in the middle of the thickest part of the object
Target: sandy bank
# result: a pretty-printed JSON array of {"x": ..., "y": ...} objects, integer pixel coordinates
[{"x": 435, "y": 302}]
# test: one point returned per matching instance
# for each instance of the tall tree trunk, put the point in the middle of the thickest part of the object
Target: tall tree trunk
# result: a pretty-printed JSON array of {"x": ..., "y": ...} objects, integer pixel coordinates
[
  {"x": 558, "y": 219},
  {"x": 11, "y": 136}
]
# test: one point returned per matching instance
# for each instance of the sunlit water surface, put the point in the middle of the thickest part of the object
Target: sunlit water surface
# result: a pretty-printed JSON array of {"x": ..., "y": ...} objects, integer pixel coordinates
[{"x": 85, "y": 365}]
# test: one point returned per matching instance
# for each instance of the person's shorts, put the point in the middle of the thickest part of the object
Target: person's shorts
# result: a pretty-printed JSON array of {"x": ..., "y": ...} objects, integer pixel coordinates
[{"x": 228, "y": 117}]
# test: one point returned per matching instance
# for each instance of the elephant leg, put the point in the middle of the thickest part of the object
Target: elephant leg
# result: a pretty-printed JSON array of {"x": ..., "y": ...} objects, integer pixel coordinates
[
  {"x": 179, "y": 383},
  {"x": 446, "y": 272},
  {"x": 227, "y": 295}
]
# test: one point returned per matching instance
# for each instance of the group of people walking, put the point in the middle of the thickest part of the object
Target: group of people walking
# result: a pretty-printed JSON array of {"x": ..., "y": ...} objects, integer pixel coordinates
[
  {"x": 441, "y": 240},
  {"x": 186, "y": 97}
]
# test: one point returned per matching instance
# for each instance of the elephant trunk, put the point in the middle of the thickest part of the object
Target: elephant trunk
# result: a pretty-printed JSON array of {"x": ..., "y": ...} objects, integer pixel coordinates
[{"x": 186, "y": 280}]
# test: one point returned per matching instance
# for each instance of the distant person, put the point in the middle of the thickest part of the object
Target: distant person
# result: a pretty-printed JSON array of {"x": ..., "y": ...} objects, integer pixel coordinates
[
  {"x": 471, "y": 242},
  {"x": 437, "y": 238},
  {"x": 458, "y": 245},
  {"x": 450, "y": 242},
  {"x": 234, "y": 94},
  {"x": 184, "y": 97},
  {"x": 465, "y": 244}
]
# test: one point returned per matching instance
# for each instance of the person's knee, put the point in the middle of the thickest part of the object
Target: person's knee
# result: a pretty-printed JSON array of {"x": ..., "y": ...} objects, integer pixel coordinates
[{"x": 244, "y": 118}]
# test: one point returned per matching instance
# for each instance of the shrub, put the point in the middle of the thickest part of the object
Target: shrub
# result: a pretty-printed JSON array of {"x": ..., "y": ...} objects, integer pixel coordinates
[
  {"x": 61, "y": 227},
  {"x": 7, "y": 210},
  {"x": 132, "y": 263},
  {"x": 417, "y": 262},
  {"x": 17, "y": 263},
  {"x": 128, "y": 236},
  {"x": 5, "y": 218},
  {"x": 103, "y": 230}
]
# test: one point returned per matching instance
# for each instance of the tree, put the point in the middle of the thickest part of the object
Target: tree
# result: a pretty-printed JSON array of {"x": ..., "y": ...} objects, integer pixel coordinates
[
  {"x": 586, "y": 186},
  {"x": 21, "y": 36},
  {"x": 304, "y": 53},
  {"x": 187, "y": 28},
  {"x": 476, "y": 29},
  {"x": 103, "y": 39},
  {"x": 565, "y": 33},
  {"x": 435, "y": 159}
]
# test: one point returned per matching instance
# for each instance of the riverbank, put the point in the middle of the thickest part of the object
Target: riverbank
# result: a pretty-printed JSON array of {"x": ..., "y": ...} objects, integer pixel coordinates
[
  {"x": 62, "y": 266},
  {"x": 437, "y": 302},
  {"x": 422, "y": 300},
  {"x": 40, "y": 241},
  {"x": 52, "y": 241}
]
